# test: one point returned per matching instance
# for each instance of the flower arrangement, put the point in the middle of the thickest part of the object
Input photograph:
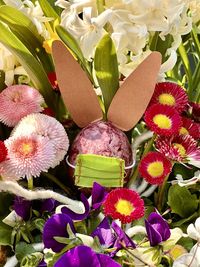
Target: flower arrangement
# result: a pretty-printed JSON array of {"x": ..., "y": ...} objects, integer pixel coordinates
[{"x": 124, "y": 190}]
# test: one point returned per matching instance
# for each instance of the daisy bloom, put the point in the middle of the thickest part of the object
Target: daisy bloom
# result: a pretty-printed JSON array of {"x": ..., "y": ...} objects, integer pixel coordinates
[
  {"x": 124, "y": 204},
  {"x": 181, "y": 148},
  {"x": 195, "y": 109},
  {"x": 154, "y": 167},
  {"x": 45, "y": 126},
  {"x": 189, "y": 127},
  {"x": 3, "y": 151},
  {"x": 171, "y": 94},
  {"x": 28, "y": 155},
  {"x": 163, "y": 119},
  {"x": 17, "y": 101}
]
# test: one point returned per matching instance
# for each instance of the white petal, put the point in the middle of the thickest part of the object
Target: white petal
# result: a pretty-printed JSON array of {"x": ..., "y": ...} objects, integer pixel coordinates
[{"x": 192, "y": 232}]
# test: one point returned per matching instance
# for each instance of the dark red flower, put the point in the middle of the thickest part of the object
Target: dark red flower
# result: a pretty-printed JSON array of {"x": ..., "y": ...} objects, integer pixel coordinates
[{"x": 3, "y": 151}]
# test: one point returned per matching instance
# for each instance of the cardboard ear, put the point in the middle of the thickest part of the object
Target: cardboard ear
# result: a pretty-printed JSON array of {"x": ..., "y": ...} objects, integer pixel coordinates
[
  {"x": 76, "y": 89},
  {"x": 132, "y": 98}
]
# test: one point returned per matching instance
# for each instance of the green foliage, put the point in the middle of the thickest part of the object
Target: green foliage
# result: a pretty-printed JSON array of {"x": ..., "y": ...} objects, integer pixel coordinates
[
  {"x": 23, "y": 249},
  {"x": 2, "y": 79},
  {"x": 106, "y": 67},
  {"x": 49, "y": 10},
  {"x": 32, "y": 260},
  {"x": 181, "y": 201},
  {"x": 5, "y": 234},
  {"x": 34, "y": 69}
]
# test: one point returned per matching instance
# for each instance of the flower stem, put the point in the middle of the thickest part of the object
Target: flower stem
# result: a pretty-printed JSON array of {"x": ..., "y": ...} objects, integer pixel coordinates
[
  {"x": 146, "y": 150},
  {"x": 30, "y": 183},
  {"x": 161, "y": 192},
  {"x": 56, "y": 181}
]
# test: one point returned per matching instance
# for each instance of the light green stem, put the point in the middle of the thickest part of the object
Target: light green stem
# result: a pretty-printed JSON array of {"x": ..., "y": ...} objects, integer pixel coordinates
[
  {"x": 30, "y": 183},
  {"x": 56, "y": 181},
  {"x": 146, "y": 150}
]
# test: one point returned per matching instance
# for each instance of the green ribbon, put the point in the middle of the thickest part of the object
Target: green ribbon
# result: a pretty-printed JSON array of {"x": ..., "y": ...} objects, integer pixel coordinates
[{"x": 107, "y": 171}]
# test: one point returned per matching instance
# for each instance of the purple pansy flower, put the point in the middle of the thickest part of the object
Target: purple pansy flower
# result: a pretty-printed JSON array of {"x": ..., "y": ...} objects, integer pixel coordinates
[
  {"x": 98, "y": 195},
  {"x": 157, "y": 229},
  {"x": 108, "y": 238},
  {"x": 22, "y": 207},
  {"x": 48, "y": 205},
  {"x": 83, "y": 256},
  {"x": 56, "y": 226},
  {"x": 42, "y": 264}
]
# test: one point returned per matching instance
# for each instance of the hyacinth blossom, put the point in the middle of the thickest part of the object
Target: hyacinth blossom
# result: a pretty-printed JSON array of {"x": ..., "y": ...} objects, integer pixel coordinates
[
  {"x": 163, "y": 119},
  {"x": 157, "y": 229},
  {"x": 171, "y": 94},
  {"x": 180, "y": 148},
  {"x": 48, "y": 127},
  {"x": 123, "y": 204},
  {"x": 83, "y": 256},
  {"x": 154, "y": 167},
  {"x": 17, "y": 101}
]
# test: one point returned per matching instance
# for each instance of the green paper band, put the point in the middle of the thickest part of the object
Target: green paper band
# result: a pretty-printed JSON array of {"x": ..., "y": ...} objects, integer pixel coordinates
[{"x": 107, "y": 171}]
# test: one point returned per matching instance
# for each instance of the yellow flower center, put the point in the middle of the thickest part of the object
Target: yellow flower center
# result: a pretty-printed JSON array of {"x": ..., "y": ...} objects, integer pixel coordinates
[
  {"x": 183, "y": 131},
  {"x": 26, "y": 148},
  {"x": 181, "y": 149},
  {"x": 162, "y": 121},
  {"x": 155, "y": 169},
  {"x": 124, "y": 207},
  {"x": 166, "y": 99}
]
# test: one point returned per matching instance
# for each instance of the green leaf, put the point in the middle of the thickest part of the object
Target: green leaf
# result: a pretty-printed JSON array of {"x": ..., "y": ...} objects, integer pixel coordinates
[
  {"x": 186, "y": 220},
  {"x": 30, "y": 64},
  {"x": 27, "y": 33},
  {"x": 32, "y": 260},
  {"x": 5, "y": 234},
  {"x": 106, "y": 67},
  {"x": 23, "y": 249},
  {"x": 181, "y": 201},
  {"x": 70, "y": 42},
  {"x": 48, "y": 10}
]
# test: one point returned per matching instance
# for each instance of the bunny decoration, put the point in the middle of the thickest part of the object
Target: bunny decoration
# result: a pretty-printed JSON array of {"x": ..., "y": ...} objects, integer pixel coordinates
[{"x": 101, "y": 151}]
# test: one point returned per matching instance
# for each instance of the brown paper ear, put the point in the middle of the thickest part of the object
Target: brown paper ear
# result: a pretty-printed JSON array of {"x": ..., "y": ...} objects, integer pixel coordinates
[
  {"x": 76, "y": 90},
  {"x": 132, "y": 98}
]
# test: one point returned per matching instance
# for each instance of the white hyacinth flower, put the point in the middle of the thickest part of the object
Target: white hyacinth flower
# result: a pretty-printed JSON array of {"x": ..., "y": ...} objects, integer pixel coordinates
[{"x": 193, "y": 230}]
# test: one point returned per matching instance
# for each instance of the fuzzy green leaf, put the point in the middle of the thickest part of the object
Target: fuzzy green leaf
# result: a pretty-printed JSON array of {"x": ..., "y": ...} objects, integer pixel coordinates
[
  {"x": 23, "y": 249},
  {"x": 30, "y": 64},
  {"x": 181, "y": 201},
  {"x": 106, "y": 67}
]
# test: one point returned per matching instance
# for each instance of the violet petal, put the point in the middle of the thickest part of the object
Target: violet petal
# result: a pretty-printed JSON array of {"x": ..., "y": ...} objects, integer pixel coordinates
[
  {"x": 48, "y": 205},
  {"x": 80, "y": 256},
  {"x": 98, "y": 195},
  {"x": 160, "y": 225},
  {"x": 22, "y": 207},
  {"x": 104, "y": 233},
  {"x": 56, "y": 225},
  {"x": 77, "y": 216},
  {"x": 106, "y": 261},
  {"x": 154, "y": 236}
]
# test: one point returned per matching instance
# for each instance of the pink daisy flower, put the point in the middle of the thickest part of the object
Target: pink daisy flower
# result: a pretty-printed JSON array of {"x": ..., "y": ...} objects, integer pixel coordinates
[
  {"x": 18, "y": 101},
  {"x": 154, "y": 167},
  {"x": 28, "y": 156},
  {"x": 45, "y": 126},
  {"x": 162, "y": 119},
  {"x": 181, "y": 148},
  {"x": 171, "y": 94},
  {"x": 189, "y": 127},
  {"x": 124, "y": 204}
]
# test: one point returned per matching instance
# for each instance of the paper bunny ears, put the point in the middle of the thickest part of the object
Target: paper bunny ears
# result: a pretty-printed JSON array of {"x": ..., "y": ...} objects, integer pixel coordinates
[{"x": 128, "y": 104}]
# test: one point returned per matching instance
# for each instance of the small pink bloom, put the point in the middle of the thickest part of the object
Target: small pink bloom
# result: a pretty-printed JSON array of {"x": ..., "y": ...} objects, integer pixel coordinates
[{"x": 17, "y": 101}]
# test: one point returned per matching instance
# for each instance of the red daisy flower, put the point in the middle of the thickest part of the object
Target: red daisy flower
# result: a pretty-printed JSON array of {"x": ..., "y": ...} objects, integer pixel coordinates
[
  {"x": 195, "y": 109},
  {"x": 162, "y": 119},
  {"x": 171, "y": 94},
  {"x": 124, "y": 204},
  {"x": 53, "y": 80},
  {"x": 189, "y": 127},
  {"x": 154, "y": 167},
  {"x": 3, "y": 151},
  {"x": 181, "y": 148}
]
